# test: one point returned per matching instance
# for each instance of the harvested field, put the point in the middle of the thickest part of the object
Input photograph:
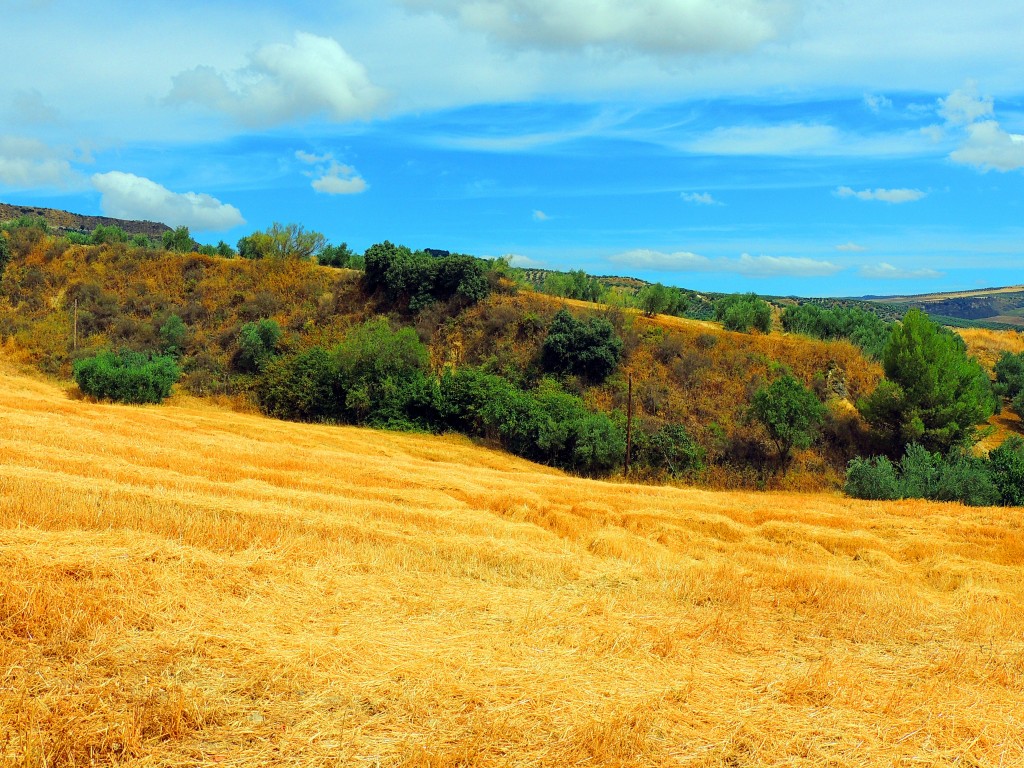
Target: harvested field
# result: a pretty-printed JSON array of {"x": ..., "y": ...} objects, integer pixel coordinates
[{"x": 183, "y": 585}]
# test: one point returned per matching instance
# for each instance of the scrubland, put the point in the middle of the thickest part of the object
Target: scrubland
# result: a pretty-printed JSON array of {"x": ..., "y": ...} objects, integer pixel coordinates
[{"x": 185, "y": 585}]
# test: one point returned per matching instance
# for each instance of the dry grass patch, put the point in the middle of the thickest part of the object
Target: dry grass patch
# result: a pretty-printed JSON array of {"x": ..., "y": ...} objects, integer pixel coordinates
[{"x": 185, "y": 585}]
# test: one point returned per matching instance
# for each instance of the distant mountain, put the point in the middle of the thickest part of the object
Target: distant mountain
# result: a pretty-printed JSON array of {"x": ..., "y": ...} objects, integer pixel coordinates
[{"x": 64, "y": 221}]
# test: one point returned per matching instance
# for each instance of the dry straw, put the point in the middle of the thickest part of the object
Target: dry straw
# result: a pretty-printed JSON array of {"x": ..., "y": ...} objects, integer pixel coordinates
[{"x": 182, "y": 585}]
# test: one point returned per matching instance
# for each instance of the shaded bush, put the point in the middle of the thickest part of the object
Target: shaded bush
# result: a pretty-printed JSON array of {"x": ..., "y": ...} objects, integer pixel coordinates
[
  {"x": 670, "y": 449},
  {"x": 127, "y": 377},
  {"x": 1006, "y": 465},
  {"x": 865, "y": 329},
  {"x": 588, "y": 349},
  {"x": 872, "y": 478},
  {"x": 257, "y": 345},
  {"x": 743, "y": 312},
  {"x": 922, "y": 474}
]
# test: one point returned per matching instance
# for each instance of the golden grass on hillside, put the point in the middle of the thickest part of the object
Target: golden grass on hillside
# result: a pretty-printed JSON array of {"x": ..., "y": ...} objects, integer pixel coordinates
[
  {"x": 987, "y": 345},
  {"x": 181, "y": 585}
]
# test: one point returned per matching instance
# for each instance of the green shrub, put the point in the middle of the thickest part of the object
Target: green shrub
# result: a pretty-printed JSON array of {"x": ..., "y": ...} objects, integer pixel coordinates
[
  {"x": 1006, "y": 464},
  {"x": 303, "y": 387},
  {"x": 789, "y": 412},
  {"x": 588, "y": 349},
  {"x": 127, "y": 377},
  {"x": 742, "y": 312},
  {"x": 670, "y": 449},
  {"x": 257, "y": 345},
  {"x": 5, "y": 253},
  {"x": 873, "y": 478}
]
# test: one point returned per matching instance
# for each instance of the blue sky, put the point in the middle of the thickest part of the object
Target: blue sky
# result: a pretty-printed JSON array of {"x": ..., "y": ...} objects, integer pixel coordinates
[{"x": 809, "y": 147}]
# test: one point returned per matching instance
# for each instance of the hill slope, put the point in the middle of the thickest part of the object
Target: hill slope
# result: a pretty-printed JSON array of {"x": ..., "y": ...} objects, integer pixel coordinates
[
  {"x": 183, "y": 585},
  {"x": 65, "y": 221}
]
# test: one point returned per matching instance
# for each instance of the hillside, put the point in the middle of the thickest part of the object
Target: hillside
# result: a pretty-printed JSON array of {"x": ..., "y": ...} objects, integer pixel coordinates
[
  {"x": 65, "y": 221},
  {"x": 183, "y": 585},
  {"x": 989, "y": 307}
]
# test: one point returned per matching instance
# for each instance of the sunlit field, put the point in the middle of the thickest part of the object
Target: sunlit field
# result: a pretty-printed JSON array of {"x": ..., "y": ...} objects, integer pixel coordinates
[{"x": 183, "y": 585}]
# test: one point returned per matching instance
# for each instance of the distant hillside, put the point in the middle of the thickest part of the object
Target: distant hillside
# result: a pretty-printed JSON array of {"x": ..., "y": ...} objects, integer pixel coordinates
[
  {"x": 64, "y": 221},
  {"x": 987, "y": 307}
]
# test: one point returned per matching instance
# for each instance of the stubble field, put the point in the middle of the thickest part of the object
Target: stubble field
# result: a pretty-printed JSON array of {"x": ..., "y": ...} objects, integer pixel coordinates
[{"x": 184, "y": 585}]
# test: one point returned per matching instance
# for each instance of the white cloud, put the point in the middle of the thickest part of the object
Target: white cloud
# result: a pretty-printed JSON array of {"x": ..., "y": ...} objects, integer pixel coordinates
[
  {"x": 789, "y": 139},
  {"x": 646, "y": 26},
  {"x": 700, "y": 198},
  {"x": 540, "y": 216},
  {"x": 989, "y": 147},
  {"x": 751, "y": 266},
  {"x": 964, "y": 106},
  {"x": 127, "y": 196},
  {"x": 523, "y": 262},
  {"x": 315, "y": 76},
  {"x": 28, "y": 164},
  {"x": 332, "y": 177},
  {"x": 884, "y": 195},
  {"x": 885, "y": 271},
  {"x": 30, "y": 108},
  {"x": 851, "y": 247},
  {"x": 876, "y": 102}
]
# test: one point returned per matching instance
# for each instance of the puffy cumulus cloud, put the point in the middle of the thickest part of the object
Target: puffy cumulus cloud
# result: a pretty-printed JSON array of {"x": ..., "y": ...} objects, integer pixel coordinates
[
  {"x": 700, "y": 198},
  {"x": 884, "y": 195},
  {"x": 751, "y": 266},
  {"x": 988, "y": 147},
  {"x": 331, "y": 177},
  {"x": 313, "y": 76},
  {"x": 885, "y": 271},
  {"x": 964, "y": 105},
  {"x": 647, "y": 26},
  {"x": 851, "y": 248},
  {"x": 28, "y": 164},
  {"x": 127, "y": 196}
]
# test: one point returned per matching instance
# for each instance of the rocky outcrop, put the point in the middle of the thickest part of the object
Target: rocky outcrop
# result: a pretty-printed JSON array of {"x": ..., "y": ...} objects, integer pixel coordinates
[{"x": 63, "y": 221}]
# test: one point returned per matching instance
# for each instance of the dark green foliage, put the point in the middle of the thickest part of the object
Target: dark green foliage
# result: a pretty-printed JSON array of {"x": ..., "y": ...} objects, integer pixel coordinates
[
  {"x": 922, "y": 474},
  {"x": 1006, "y": 464},
  {"x": 173, "y": 333},
  {"x": 282, "y": 241},
  {"x": 142, "y": 241},
  {"x": 127, "y": 377},
  {"x": 865, "y": 329},
  {"x": 221, "y": 249},
  {"x": 670, "y": 449},
  {"x": 743, "y": 312},
  {"x": 257, "y": 345},
  {"x": 303, "y": 387},
  {"x": 417, "y": 279},
  {"x": 589, "y": 349},
  {"x": 873, "y": 478},
  {"x": 1009, "y": 371},
  {"x": 179, "y": 240},
  {"x": 933, "y": 393},
  {"x": 789, "y": 412},
  {"x": 37, "y": 223},
  {"x": 335, "y": 256}
]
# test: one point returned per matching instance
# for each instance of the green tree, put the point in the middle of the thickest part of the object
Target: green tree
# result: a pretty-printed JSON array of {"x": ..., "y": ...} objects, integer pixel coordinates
[
  {"x": 173, "y": 333},
  {"x": 179, "y": 240},
  {"x": 257, "y": 345},
  {"x": 1006, "y": 465},
  {"x": 282, "y": 241},
  {"x": 654, "y": 299},
  {"x": 789, "y": 412},
  {"x": 933, "y": 394},
  {"x": 741, "y": 312},
  {"x": 5, "y": 253},
  {"x": 108, "y": 234},
  {"x": 335, "y": 256},
  {"x": 589, "y": 349}
]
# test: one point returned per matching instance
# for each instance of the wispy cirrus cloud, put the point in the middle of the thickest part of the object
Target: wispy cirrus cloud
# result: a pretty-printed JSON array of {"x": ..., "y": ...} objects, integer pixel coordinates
[
  {"x": 895, "y": 196},
  {"x": 699, "y": 198},
  {"x": 311, "y": 77},
  {"x": 886, "y": 271},
  {"x": 127, "y": 196},
  {"x": 745, "y": 264},
  {"x": 851, "y": 248}
]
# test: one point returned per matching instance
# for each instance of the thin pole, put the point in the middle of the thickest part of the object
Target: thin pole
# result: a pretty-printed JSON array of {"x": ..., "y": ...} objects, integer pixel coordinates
[
  {"x": 74, "y": 341},
  {"x": 629, "y": 422}
]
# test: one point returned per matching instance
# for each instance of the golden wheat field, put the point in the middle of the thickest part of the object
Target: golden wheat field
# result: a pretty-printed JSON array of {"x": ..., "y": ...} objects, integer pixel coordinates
[{"x": 184, "y": 585}]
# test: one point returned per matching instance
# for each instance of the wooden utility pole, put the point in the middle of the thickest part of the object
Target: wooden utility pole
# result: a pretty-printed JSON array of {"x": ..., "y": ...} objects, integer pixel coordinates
[
  {"x": 629, "y": 421},
  {"x": 74, "y": 338}
]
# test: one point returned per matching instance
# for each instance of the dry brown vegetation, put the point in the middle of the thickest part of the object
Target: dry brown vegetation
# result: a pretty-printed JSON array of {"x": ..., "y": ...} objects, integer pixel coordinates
[
  {"x": 183, "y": 585},
  {"x": 987, "y": 345}
]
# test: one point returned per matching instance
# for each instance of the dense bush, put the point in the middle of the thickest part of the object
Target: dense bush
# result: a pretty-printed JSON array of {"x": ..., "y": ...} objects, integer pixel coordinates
[
  {"x": 575, "y": 284},
  {"x": 865, "y": 329},
  {"x": 303, "y": 387},
  {"x": 872, "y": 478},
  {"x": 1006, "y": 465},
  {"x": 933, "y": 394},
  {"x": 588, "y": 349},
  {"x": 257, "y": 345},
  {"x": 5, "y": 253},
  {"x": 743, "y": 312},
  {"x": 1009, "y": 370},
  {"x": 669, "y": 449},
  {"x": 922, "y": 474},
  {"x": 418, "y": 279},
  {"x": 127, "y": 377}
]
